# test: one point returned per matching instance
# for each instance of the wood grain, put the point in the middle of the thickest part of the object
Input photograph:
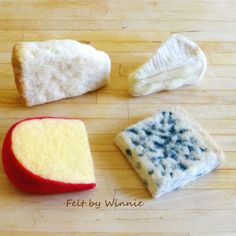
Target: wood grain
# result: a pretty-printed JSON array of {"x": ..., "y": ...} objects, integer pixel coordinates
[{"x": 129, "y": 31}]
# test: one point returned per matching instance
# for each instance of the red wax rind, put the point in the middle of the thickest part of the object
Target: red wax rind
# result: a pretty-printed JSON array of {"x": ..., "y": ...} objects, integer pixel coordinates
[{"x": 26, "y": 180}]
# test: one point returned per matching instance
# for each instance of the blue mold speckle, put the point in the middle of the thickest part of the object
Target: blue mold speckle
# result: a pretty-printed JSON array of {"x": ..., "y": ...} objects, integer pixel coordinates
[
  {"x": 179, "y": 141},
  {"x": 190, "y": 148},
  {"x": 158, "y": 145},
  {"x": 199, "y": 175},
  {"x": 173, "y": 154},
  {"x": 132, "y": 130},
  {"x": 172, "y": 130},
  {"x": 186, "y": 156},
  {"x": 182, "y": 166},
  {"x": 153, "y": 127},
  {"x": 162, "y": 121},
  {"x": 151, "y": 150},
  {"x": 161, "y": 130},
  {"x": 170, "y": 121},
  {"x": 147, "y": 132},
  {"x": 203, "y": 149},
  {"x": 163, "y": 139},
  {"x": 153, "y": 159},
  {"x": 165, "y": 154},
  {"x": 193, "y": 140},
  {"x": 181, "y": 131},
  {"x": 135, "y": 142}
]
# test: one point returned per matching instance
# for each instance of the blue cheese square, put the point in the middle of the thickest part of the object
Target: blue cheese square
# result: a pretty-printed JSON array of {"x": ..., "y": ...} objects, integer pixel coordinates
[{"x": 169, "y": 150}]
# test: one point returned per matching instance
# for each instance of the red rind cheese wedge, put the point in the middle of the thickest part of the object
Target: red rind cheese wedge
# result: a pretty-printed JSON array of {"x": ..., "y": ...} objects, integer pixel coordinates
[{"x": 48, "y": 155}]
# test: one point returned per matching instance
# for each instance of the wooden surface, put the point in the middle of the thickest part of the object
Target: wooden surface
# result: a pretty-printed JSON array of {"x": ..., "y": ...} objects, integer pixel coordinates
[{"x": 129, "y": 31}]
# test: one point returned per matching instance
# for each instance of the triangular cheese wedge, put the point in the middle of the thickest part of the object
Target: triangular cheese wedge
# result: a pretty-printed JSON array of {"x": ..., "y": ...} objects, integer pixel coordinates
[
  {"x": 48, "y": 155},
  {"x": 178, "y": 62},
  {"x": 51, "y": 70}
]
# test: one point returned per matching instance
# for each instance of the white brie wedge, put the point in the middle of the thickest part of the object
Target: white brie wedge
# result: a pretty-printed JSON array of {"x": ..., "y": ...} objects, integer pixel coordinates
[{"x": 178, "y": 62}]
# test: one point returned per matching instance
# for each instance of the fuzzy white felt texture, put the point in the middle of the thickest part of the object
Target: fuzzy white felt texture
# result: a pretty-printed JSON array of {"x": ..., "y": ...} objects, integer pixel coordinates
[
  {"x": 169, "y": 150},
  {"x": 57, "y": 69},
  {"x": 178, "y": 62}
]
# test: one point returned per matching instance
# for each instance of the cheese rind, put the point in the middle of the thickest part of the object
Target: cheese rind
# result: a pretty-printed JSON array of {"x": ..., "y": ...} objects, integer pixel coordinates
[
  {"x": 178, "y": 62},
  {"x": 48, "y": 155},
  {"x": 169, "y": 150}
]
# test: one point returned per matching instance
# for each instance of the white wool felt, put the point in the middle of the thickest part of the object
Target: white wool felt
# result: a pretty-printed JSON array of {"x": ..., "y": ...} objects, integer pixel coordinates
[
  {"x": 56, "y": 69},
  {"x": 178, "y": 62}
]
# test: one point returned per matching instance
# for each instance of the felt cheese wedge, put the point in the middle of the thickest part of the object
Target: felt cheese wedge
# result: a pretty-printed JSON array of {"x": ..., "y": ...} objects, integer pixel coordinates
[
  {"x": 51, "y": 70},
  {"x": 48, "y": 155},
  {"x": 169, "y": 150},
  {"x": 178, "y": 62}
]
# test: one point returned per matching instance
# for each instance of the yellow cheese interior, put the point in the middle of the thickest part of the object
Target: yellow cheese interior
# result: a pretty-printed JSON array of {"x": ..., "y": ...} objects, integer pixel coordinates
[{"x": 56, "y": 149}]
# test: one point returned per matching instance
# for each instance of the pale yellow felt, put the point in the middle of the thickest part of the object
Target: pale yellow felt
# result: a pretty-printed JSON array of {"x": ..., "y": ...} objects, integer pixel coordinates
[{"x": 56, "y": 149}]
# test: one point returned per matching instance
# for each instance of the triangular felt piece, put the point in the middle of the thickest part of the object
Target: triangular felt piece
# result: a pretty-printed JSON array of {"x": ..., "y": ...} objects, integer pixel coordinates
[{"x": 176, "y": 63}]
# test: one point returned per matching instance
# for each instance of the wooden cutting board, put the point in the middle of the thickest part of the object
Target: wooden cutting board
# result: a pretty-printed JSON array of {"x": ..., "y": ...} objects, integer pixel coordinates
[{"x": 129, "y": 31}]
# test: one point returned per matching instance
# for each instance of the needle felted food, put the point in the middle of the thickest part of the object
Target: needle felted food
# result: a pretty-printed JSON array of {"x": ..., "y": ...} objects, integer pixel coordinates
[
  {"x": 178, "y": 62},
  {"x": 56, "y": 69},
  {"x": 48, "y": 155},
  {"x": 169, "y": 150}
]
